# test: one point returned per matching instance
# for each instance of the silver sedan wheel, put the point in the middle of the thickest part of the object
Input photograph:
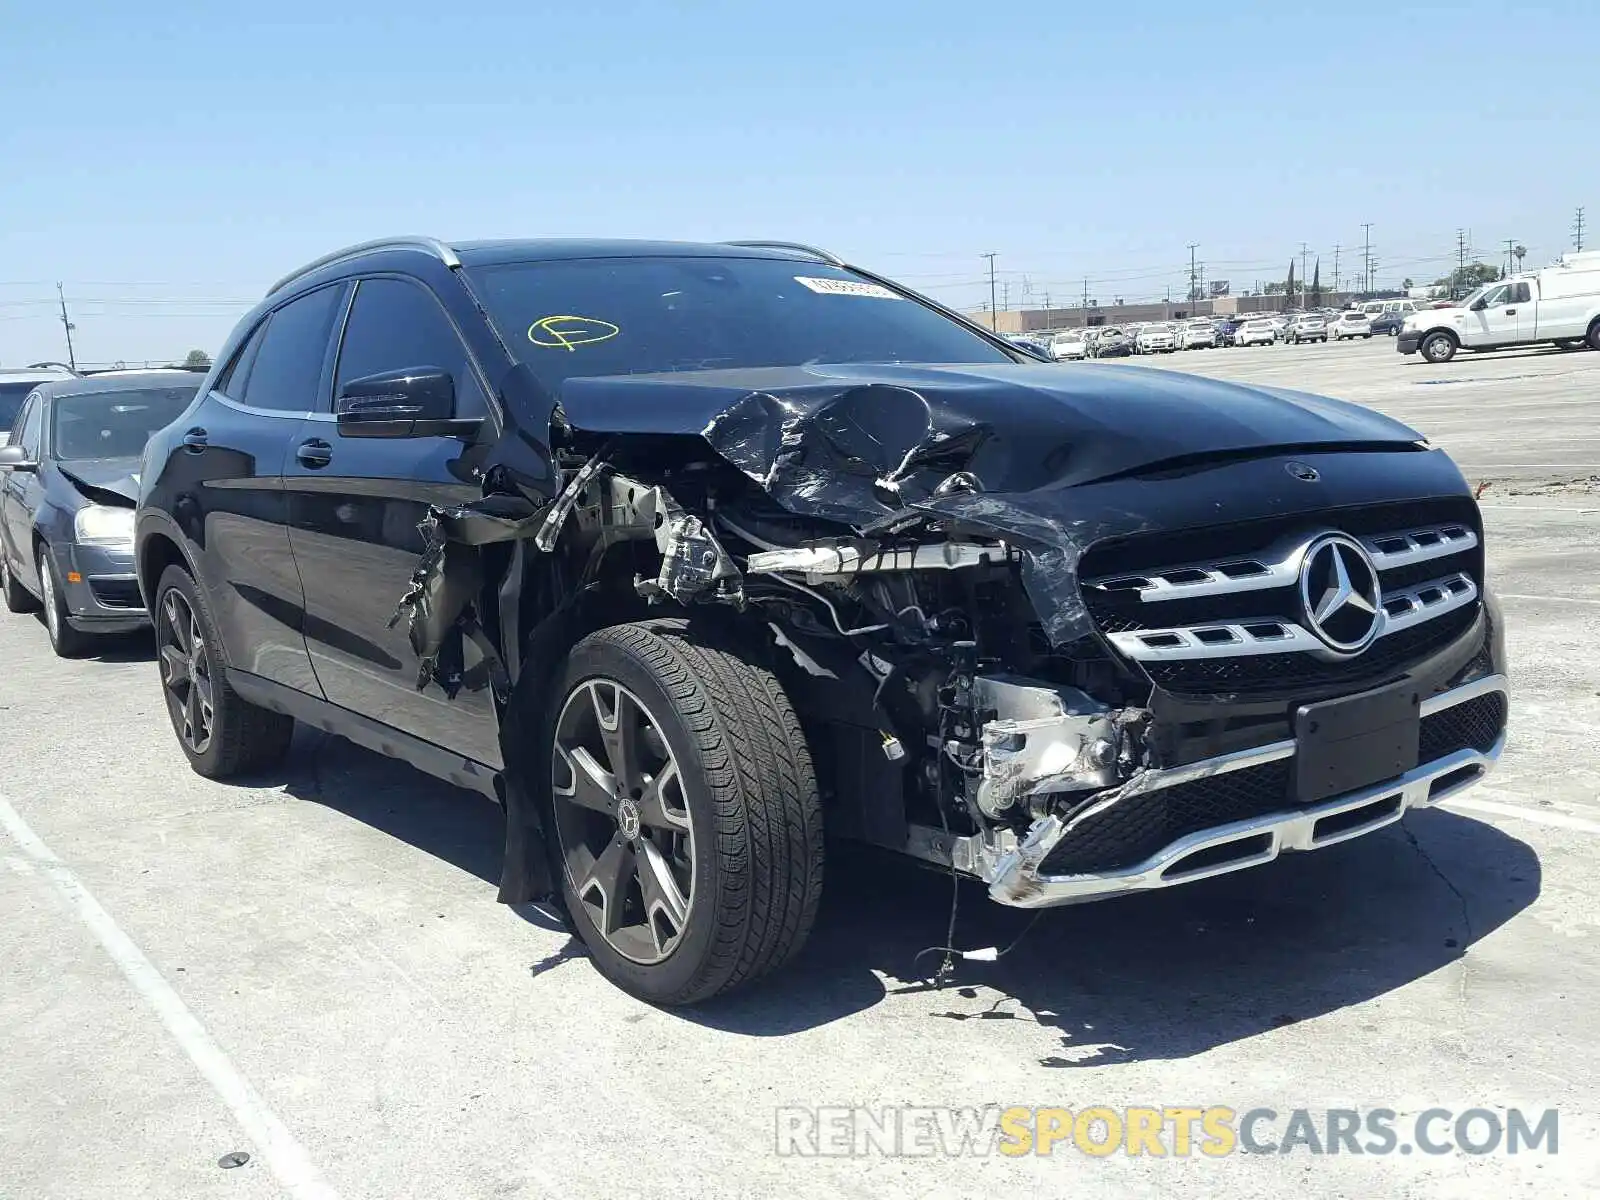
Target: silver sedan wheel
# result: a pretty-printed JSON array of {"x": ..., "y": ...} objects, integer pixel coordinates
[
  {"x": 52, "y": 615},
  {"x": 622, "y": 817}
]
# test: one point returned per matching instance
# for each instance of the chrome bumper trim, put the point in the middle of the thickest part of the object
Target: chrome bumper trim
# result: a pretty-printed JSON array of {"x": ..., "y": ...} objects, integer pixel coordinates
[{"x": 1013, "y": 871}]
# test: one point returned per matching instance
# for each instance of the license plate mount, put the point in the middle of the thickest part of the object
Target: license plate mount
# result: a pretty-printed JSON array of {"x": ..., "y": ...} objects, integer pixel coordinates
[{"x": 1356, "y": 741}]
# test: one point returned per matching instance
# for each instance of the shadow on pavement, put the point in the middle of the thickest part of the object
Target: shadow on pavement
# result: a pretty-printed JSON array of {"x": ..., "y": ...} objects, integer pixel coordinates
[{"x": 1162, "y": 975}]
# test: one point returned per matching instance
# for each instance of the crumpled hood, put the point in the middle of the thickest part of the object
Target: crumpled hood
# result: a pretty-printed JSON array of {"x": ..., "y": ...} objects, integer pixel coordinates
[
  {"x": 1016, "y": 427},
  {"x": 119, "y": 476}
]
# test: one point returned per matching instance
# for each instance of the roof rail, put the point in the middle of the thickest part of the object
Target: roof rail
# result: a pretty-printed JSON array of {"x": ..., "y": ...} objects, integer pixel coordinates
[
  {"x": 426, "y": 244},
  {"x": 761, "y": 244}
]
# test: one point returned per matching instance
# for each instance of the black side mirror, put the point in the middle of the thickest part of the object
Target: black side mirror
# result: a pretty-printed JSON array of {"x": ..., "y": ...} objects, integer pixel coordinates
[
  {"x": 15, "y": 458},
  {"x": 415, "y": 402}
]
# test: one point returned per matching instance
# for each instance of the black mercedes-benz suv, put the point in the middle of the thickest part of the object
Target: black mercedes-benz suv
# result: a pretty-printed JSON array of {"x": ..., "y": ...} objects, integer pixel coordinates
[{"x": 688, "y": 553}]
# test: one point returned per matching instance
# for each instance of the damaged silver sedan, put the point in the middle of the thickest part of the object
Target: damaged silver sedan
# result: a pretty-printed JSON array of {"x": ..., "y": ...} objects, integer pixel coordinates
[{"x": 710, "y": 551}]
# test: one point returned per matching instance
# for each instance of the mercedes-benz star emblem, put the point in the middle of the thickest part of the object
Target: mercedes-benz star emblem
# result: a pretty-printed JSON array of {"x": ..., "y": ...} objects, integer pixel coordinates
[
  {"x": 1339, "y": 592},
  {"x": 628, "y": 818},
  {"x": 1304, "y": 472}
]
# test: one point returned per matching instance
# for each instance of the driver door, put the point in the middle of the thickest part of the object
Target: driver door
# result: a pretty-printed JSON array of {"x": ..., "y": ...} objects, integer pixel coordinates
[{"x": 1495, "y": 318}]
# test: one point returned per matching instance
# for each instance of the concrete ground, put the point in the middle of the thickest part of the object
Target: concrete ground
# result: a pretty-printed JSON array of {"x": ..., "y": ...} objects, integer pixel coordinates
[{"x": 311, "y": 969}]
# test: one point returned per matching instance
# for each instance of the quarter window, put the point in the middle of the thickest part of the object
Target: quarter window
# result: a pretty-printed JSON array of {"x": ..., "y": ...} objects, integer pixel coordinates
[
  {"x": 395, "y": 325},
  {"x": 233, "y": 380},
  {"x": 32, "y": 424}
]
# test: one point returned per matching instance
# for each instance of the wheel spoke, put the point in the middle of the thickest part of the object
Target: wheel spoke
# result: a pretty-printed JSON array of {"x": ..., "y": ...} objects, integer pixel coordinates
[
  {"x": 176, "y": 621},
  {"x": 662, "y": 804},
  {"x": 661, "y": 891},
  {"x": 618, "y": 718},
  {"x": 204, "y": 700},
  {"x": 592, "y": 786},
  {"x": 611, "y": 874},
  {"x": 176, "y": 663},
  {"x": 190, "y": 717}
]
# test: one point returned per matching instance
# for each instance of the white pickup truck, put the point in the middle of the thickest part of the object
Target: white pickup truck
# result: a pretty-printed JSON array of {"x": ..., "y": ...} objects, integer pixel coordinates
[{"x": 1559, "y": 304}]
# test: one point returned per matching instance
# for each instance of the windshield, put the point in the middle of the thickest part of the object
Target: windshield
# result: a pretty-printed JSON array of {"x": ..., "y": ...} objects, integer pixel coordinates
[
  {"x": 11, "y": 397},
  {"x": 616, "y": 316},
  {"x": 112, "y": 424}
]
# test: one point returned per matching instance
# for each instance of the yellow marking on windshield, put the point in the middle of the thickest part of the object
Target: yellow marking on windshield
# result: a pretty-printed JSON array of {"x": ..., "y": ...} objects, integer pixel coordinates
[{"x": 564, "y": 331}]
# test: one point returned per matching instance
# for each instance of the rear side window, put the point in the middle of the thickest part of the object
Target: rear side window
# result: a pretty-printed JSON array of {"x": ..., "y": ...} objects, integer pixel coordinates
[
  {"x": 288, "y": 363},
  {"x": 1521, "y": 293},
  {"x": 395, "y": 325}
]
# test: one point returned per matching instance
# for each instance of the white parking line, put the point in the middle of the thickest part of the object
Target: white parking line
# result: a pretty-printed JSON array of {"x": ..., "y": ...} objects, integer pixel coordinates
[
  {"x": 1518, "y": 812},
  {"x": 284, "y": 1156}
]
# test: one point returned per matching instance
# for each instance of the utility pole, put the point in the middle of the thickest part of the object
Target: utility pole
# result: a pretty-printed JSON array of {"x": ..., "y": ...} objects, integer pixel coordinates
[
  {"x": 1511, "y": 247},
  {"x": 67, "y": 325},
  {"x": 1193, "y": 295},
  {"x": 1577, "y": 229},
  {"x": 994, "y": 312},
  {"x": 1366, "y": 257},
  {"x": 1461, "y": 253},
  {"x": 1005, "y": 294},
  {"x": 1049, "y": 322},
  {"x": 1086, "y": 297},
  {"x": 1304, "y": 253},
  {"x": 1336, "y": 268}
]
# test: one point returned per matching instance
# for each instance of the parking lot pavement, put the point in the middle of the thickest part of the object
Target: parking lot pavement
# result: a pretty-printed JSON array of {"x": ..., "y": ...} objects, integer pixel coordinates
[
  {"x": 1519, "y": 417},
  {"x": 329, "y": 986}
]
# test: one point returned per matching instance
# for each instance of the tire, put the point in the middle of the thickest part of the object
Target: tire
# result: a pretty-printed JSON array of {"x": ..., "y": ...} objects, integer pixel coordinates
[
  {"x": 66, "y": 641},
  {"x": 1438, "y": 347},
  {"x": 1366, "y": 337},
  {"x": 236, "y": 737},
  {"x": 1593, "y": 338},
  {"x": 18, "y": 599},
  {"x": 742, "y": 841}
]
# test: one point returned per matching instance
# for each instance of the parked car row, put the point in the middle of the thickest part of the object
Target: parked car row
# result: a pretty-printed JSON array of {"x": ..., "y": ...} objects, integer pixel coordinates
[{"x": 691, "y": 553}]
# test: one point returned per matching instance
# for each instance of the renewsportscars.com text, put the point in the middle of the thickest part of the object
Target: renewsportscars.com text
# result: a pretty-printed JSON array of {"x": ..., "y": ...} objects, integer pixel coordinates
[{"x": 1178, "y": 1131}]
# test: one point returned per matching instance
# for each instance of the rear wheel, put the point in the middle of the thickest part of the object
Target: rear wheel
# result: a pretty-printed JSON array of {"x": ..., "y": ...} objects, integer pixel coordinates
[
  {"x": 686, "y": 813},
  {"x": 221, "y": 733},
  {"x": 66, "y": 641},
  {"x": 1594, "y": 335},
  {"x": 17, "y": 598},
  {"x": 1438, "y": 347}
]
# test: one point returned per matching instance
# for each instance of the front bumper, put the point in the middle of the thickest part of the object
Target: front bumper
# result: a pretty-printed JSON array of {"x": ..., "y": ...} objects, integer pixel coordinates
[
  {"x": 1407, "y": 341},
  {"x": 1018, "y": 875},
  {"x": 104, "y": 597}
]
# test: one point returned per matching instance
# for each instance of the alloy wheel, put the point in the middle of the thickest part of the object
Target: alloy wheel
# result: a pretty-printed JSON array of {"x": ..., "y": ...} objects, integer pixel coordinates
[
  {"x": 186, "y": 671},
  {"x": 52, "y": 616},
  {"x": 622, "y": 817}
]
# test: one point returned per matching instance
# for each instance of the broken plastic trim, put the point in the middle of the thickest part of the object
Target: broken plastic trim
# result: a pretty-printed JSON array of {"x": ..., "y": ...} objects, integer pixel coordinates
[
  {"x": 1043, "y": 739},
  {"x": 824, "y": 562}
]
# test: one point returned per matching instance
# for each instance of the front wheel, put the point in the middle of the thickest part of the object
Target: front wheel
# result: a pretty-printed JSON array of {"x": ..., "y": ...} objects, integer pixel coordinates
[
  {"x": 1438, "y": 347},
  {"x": 220, "y": 732},
  {"x": 686, "y": 813},
  {"x": 66, "y": 641},
  {"x": 1593, "y": 337}
]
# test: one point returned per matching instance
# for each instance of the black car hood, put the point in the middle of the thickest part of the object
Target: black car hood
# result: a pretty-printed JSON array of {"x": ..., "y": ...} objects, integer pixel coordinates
[
  {"x": 117, "y": 476},
  {"x": 1015, "y": 427},
  {"x": 1005, "y": 450}
]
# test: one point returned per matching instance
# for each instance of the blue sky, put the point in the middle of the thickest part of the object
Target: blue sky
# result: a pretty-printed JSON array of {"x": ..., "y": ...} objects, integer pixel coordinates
[{"x": 167, "y": 161}]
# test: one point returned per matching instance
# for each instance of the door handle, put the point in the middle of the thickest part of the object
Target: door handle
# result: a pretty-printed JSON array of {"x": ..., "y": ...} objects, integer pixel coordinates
[
  {"x": 1511, "y": 312},
  {"x": 196, "y": 439},
  {"x": 314, "y": 453}
]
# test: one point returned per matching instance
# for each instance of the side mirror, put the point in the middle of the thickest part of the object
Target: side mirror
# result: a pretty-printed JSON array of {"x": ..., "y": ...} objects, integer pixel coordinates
[
  {"x": 415, "y": 402},
  {"x": 15, "y": 458}
]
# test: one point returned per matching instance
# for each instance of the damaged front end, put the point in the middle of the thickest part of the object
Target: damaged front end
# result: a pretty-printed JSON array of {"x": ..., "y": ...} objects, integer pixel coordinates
[{"x": 904, "y": 550}]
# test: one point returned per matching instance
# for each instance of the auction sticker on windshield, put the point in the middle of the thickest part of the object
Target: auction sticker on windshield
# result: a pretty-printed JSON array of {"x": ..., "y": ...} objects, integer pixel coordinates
[{"x": 845, "y": 287}]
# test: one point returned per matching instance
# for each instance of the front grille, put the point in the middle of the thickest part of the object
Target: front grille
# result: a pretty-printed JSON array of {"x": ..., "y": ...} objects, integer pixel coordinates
[
  {"x": 1388, "y": 657},
  {"x": 1219, "y": 610},
  {"x": 1133, "y": 830},
  {"x": 1473, "y": 725}
]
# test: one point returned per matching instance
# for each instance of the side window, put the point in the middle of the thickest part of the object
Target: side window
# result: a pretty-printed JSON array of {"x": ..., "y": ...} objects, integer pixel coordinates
[
  {"x": 395, "y": 324},
  {"x": 32, "y": 423},
  {"x": 1496, "y": 297},
  {"x": 1521, "y": 293},
  {"x": 15, "y": 428},
  {"x": 233, "y": 381},
  {"x": 288, "y": 364}
]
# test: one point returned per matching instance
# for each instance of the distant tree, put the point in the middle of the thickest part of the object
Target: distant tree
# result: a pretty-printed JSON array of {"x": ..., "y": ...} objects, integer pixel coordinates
[
  {"x": 196, "y": 360},
  {"x": 1288, "y": 288},
  {"x": 1407, "y": 284},
  {"x": 1316, "y": 285},
  {"x": 1473, "y": 275}
]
